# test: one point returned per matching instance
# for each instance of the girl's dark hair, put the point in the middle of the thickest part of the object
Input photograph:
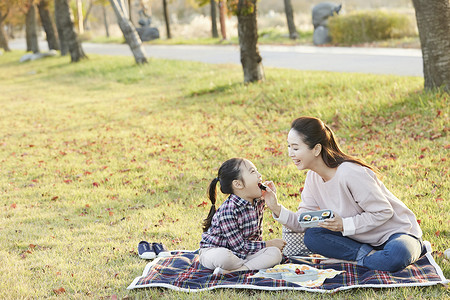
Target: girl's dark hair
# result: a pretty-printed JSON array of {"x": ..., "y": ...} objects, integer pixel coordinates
[
  {"x": 228, "y": 171},
  {"x": 313, "y": 131}
]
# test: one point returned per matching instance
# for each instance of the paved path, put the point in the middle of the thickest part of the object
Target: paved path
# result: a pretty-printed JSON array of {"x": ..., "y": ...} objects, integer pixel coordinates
[{"x": 407, "y": 62}]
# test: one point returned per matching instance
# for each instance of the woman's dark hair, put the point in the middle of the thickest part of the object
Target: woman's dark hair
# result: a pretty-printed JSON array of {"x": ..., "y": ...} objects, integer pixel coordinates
[
  {"x": 313, "y": 131},
  {"x": 228, "y": 171}
]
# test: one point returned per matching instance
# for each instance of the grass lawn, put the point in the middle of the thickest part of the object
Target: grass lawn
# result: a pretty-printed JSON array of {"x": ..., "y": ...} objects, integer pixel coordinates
[
  {"x": 265, "y": 37},
  {"x": 99, "y": 155}
]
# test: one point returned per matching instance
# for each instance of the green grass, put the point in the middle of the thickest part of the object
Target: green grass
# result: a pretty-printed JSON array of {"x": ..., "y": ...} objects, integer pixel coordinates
[
  {"x": 270, "y": 36},
  {"x": 98, "y": 155},
  {"x": 266, "y": 37}
]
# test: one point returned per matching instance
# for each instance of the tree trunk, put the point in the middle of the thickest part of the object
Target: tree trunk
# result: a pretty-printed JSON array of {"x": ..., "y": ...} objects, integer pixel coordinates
[
  {"x": 49, "y": 26},
  {"x": 215, "y": 34},
  {"x": 88, "y": 12},
  {"x": 31, "y": 29},
  {"x": 166, "y": 18},
  {"x": 105, "y": 21},
  {"x": 293, "y": 34},
  {"x": 59, "y": 27},
  {"x": 3, "y": 35},
  {"x": 65, "y": 17},
  {"x": 130, "y": 13},
  {"x": 80, "y": 17},
  {"x": 222, "y": 14},
  {"x": 248, "y": 42},
  {"x": 433, "y": 22},
  {"x": 3, "y": 38},
  {"x": 129, "y": 32}
]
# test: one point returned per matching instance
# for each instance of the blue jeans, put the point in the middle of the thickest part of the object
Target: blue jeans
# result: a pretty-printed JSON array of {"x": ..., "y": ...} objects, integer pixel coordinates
[{"x": 399, "y": 251}]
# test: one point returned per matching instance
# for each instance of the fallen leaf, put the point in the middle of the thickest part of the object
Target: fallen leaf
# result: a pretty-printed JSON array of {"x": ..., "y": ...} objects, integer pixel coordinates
[
  {"x": 59, "y": 291},
  {"x": 203, "y": 204}
]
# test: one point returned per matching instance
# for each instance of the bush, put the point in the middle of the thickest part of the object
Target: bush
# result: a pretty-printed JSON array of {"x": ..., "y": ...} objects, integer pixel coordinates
[{"x": 368, "y": 26}]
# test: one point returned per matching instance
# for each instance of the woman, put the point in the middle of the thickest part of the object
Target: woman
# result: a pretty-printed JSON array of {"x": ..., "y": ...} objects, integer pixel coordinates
[{"x": 371, "y": 227}]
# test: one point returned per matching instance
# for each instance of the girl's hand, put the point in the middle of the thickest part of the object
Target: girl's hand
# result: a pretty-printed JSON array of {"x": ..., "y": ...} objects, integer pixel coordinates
[
  {"x": 279, "y": 243},
  {"x": 333, "y": 224},
  {"x": 270, "y": 196}
]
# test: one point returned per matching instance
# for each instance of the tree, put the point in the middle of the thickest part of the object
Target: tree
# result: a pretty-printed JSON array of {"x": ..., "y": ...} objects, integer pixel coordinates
[
  {"x": 4, "y": 11},
  {"x": 49, "y": 26},
  {"x": 80, "y": 22},
  {"x": 129, "y": 32},
  {"x": 31, "y": 28},
  {"x": 213, "y": 10},
  {"x": 105, "y": 20},
  {"x": 11, "y": 13},
  {"x": 88, "y": 12},
  {"x": 64, "y": 17},
  {"x": 64, "y": 48},
  {"x": 166, "y": 19},
  {"x": 251, "y": 60},
  {"x": 222, "y": 14},
  {"x": 293, "y": 34},
  {"x": 433, "y": 22},
  {"x": 214, "y": 32}
]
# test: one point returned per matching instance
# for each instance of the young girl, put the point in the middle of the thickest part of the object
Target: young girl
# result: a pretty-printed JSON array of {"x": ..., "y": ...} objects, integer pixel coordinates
[
  {"x": 232, "y": 237},
  {"x": 371, "y": 226}
]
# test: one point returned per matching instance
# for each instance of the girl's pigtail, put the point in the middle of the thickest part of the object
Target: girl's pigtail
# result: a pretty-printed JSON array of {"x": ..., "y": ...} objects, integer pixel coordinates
[{"x": 212, "y": 197}]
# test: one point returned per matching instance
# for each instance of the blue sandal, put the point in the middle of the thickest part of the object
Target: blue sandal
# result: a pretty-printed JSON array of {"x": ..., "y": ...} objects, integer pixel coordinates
[{"x": 145, "y": 251}]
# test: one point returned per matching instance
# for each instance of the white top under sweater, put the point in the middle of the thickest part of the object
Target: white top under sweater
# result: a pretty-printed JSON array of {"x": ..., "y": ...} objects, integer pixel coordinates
[{"x": 370, "y": 212}]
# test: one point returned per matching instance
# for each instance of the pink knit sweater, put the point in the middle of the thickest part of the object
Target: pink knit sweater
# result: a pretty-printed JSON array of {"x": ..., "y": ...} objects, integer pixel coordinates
[{"x": 370, "y": 212}]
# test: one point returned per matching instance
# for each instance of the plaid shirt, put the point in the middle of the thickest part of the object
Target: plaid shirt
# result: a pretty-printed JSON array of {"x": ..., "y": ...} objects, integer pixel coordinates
[{"x": 236, "y": 225}]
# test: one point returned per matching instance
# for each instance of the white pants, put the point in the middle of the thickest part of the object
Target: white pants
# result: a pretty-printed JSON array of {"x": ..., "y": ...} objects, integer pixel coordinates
[{"x": 212, "y": 258}]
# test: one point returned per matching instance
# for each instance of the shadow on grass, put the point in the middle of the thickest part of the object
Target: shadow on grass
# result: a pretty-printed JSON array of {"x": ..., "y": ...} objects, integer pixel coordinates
[{"x": 214, "y": 90}]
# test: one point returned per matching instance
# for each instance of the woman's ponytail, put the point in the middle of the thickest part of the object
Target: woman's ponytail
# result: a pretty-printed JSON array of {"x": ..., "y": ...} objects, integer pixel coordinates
[
  {"x": 313, "y": 131},
  {"x": 212, "y": 194}
]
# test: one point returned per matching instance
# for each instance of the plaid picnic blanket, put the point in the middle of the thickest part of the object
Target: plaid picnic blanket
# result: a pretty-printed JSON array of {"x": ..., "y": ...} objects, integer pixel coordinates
[{"x": 183, "y": 272}]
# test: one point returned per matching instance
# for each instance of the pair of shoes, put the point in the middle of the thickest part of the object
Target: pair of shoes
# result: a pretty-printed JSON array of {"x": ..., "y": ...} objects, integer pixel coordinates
[{"x": 150, "y": 251}]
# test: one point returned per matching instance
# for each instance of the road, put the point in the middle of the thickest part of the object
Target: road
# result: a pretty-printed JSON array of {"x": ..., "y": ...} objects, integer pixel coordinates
[{"x": 404, "y": 62}]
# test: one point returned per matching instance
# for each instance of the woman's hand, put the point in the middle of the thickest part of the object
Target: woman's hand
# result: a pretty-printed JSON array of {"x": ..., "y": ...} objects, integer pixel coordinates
[
  {"x": 270, "y": 196},
  {"x": 333, "y": 224},
  {"x": 279, "y": 243}
]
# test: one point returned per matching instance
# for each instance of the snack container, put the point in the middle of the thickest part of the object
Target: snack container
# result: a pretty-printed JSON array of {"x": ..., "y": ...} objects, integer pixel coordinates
[
  {"x": 308, "y": 275},
  {"x": 313, "y": 218},
  {"x": 274, "y": 273}
]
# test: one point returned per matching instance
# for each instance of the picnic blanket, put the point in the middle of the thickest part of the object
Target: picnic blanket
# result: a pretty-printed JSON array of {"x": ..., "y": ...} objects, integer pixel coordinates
[{"x": 183, "y": 272}]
